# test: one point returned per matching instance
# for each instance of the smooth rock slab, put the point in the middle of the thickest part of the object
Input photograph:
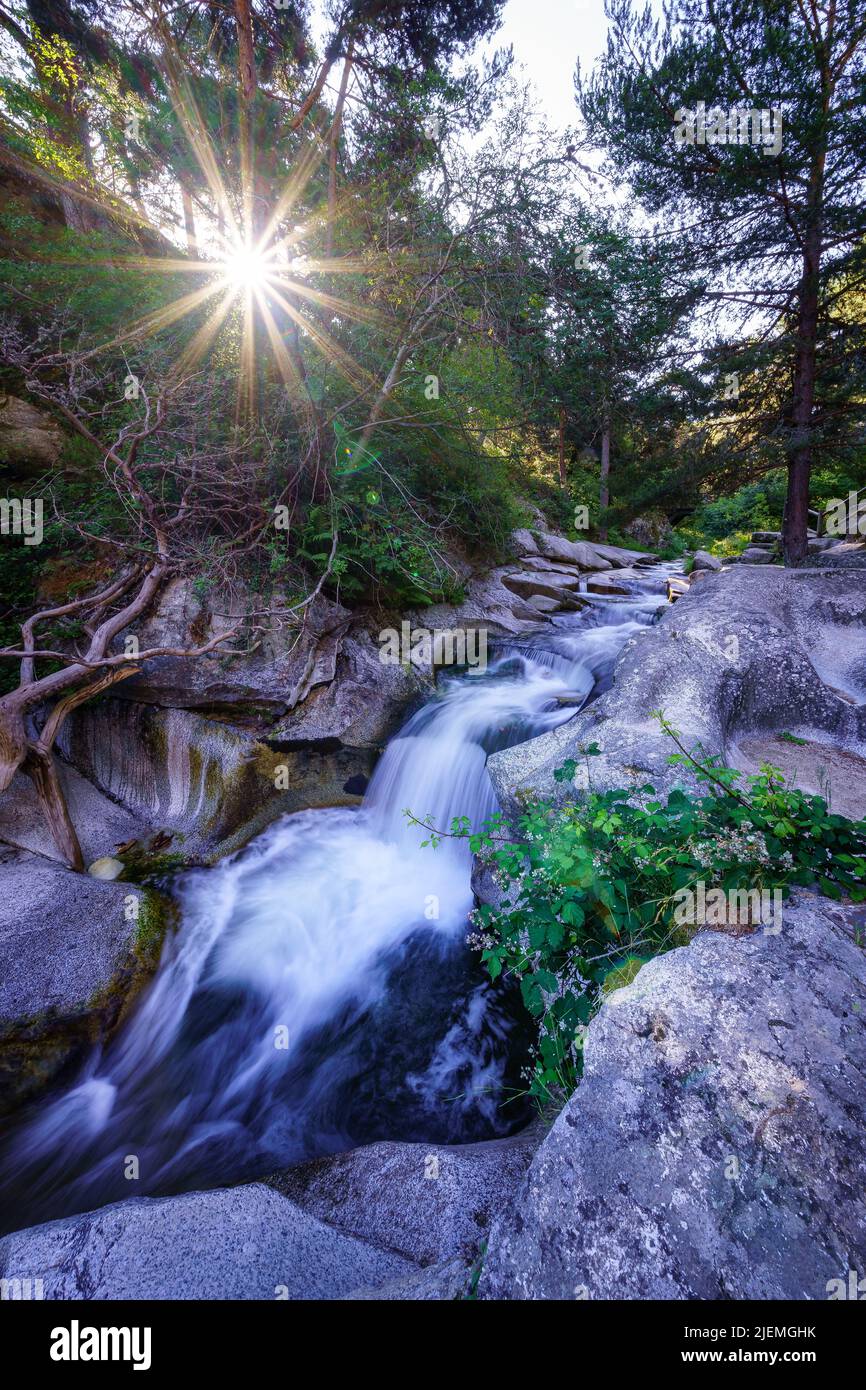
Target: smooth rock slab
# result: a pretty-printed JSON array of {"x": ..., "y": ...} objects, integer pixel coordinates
[
  {"x": 715, "y": 1148},
  {"x": 527, "y": 585},
  {"x": 241, "y": 1242},
  {"x": 579, "y": 553},
  {"x": 429, "y": 1202}
]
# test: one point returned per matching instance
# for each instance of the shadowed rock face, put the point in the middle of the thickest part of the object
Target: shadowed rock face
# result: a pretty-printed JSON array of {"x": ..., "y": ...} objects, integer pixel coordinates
[
  {"x": 744, "y": 651},
  {"x": 73, "y": 951},
  {"x": 715, "y": 1147},
  {"x": 191, "y": 747},
  {"x": 210, "y": 751},
  {"x": 207, "y": 784}
]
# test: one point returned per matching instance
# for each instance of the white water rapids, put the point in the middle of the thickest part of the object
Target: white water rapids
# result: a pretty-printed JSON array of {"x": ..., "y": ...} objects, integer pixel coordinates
[{"x": 319, "y": 992}]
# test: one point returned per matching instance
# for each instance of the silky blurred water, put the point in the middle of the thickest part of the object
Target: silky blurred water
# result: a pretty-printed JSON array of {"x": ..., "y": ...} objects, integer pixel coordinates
[{"x": 319, "y": 993}]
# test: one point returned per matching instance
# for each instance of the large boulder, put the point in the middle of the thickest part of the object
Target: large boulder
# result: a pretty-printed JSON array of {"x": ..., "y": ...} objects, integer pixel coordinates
[
  {"x": 703, "y": 560},
  {"x": 74, "y": 951},
  {"x": 266, "y": 677},
  {"x": 745, "y": 651},
  {"x": 715, "y": 1147},
  {"x": 653, "y": 530},
  {"x": 536, "y": 564},
  {"x": 844, "y": 555},
  {"x": 621, "y": 556},
  {"x": 244, "y": 1242},
  {"x": 605, "y": 585},
  {"x": 523, "y": 542}
]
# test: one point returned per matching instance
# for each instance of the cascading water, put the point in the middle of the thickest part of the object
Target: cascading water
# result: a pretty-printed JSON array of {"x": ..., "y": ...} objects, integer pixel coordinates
[{"x": 319, "y": 992}]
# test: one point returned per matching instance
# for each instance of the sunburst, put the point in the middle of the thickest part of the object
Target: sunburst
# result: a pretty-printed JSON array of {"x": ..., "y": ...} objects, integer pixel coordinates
[{"x": 264, "y": 273}]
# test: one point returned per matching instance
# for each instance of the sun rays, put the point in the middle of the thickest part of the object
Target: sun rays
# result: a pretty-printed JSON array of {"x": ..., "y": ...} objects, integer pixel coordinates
[{"x": 252, "y": 266}]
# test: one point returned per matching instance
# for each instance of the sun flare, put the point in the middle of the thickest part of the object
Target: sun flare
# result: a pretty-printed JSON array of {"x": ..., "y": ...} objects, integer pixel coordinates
[{"x": 246, "y": 269}]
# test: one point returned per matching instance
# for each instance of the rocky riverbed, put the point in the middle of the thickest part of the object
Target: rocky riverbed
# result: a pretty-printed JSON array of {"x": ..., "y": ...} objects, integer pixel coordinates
[{"x": 714, "y": 1148}]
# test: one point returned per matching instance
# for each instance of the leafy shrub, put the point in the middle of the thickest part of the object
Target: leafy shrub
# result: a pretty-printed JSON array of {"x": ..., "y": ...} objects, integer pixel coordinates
[{"x": 592, "y": 888}]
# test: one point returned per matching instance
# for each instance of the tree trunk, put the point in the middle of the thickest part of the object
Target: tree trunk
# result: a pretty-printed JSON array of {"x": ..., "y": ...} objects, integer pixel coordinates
[
  {"x": 13, "y": 740},
  {"x": 796, "y": 522},
  {"x": 248, "y": 394},
  {"x": 189, "y": 220},
  {"x": 562, "y": 446},
  {"x": 604, "y": 475},
  {"x": 335, "y": 140},
  {"x": 246, "y": 51},
  {"x": 41, "y": 769},
  {"x": 247, "y": 85}
]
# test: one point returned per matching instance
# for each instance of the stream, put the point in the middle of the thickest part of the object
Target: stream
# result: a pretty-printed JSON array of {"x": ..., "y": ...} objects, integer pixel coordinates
[{"x": 319, "y": 992}]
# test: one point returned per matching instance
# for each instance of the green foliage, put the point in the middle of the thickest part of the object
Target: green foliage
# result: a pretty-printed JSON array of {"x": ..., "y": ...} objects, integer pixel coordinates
[
  {"x": 756, "y": 507},
  {"x": 593, "y": 889},
  {"x": 88, "y": 278},
  {"x": 383, "y": 554}
]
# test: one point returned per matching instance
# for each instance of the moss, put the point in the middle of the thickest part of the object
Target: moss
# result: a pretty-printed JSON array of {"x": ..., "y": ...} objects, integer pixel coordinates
[
  {"x": 157, "y": 916},
  {"x": 141, "y": 866},
  {"x": 623, "y": 974}
]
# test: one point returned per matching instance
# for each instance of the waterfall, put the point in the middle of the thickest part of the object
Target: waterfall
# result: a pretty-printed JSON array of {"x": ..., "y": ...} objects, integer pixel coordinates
[{"x": 319, "y": 992}]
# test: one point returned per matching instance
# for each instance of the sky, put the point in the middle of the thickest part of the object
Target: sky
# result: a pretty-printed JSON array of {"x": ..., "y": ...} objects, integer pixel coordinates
[{"x": 549, "y": 36}]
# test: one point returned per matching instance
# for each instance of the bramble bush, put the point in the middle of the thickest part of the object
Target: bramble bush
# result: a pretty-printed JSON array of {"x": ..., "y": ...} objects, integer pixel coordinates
[{"x": 589, "y": 887}]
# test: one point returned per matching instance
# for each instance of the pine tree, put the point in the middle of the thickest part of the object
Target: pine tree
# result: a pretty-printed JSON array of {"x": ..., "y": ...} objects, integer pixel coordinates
[{"x": 745, "y": 123}]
